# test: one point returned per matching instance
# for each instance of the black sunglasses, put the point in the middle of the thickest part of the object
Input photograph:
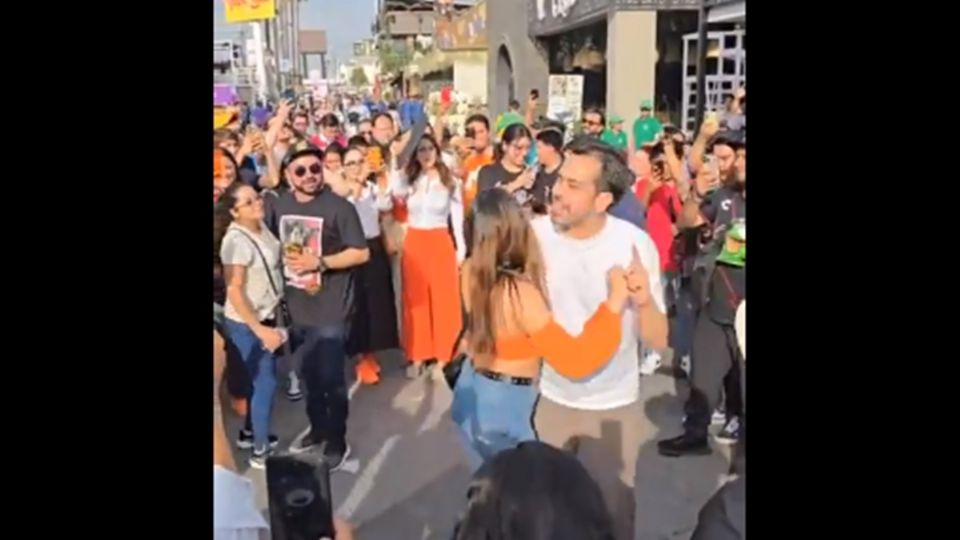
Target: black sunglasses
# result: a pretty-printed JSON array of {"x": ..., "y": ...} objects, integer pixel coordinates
[{"x": 302, "y": 171}]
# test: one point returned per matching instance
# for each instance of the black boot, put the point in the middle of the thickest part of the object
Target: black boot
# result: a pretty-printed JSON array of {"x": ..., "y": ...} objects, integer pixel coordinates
[{"x": 684, "y": 445}]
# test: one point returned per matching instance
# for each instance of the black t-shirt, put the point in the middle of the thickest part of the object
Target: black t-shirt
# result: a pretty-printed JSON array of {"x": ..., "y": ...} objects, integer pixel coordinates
[
  {"x": 542, "y": 187},
  {"x": 723, "y": 206},
  {"x": 493, "y": 175},
  {"x": 334, "y": 303},
  {"x": 728, "y": 287}
]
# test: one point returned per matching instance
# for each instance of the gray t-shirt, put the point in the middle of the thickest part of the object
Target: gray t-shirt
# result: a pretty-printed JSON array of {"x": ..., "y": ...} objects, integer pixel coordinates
[{"x": 238, "y": 249}]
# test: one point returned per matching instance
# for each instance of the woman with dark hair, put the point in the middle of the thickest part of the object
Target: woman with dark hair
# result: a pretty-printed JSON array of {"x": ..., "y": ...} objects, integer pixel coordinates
[
  {"x": 374, "y": 325},
  {"x": 250, "y": 255},
  {"x": 431, "y": 305},
  {"x": 228, "y": 170},
  {"x": 534, "y": 492},
  {"x": 510, "y": 329},
  {"x": 510, "y": 172},
  {"x": 333, "y": 157}
]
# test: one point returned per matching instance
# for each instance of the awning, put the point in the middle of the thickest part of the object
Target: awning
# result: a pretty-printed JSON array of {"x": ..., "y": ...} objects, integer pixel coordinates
[{"x": 731, "y": 12}]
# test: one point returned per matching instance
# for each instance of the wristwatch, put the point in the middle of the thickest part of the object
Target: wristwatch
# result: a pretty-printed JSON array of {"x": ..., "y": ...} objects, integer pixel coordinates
[{"x": 320, "y": 266}]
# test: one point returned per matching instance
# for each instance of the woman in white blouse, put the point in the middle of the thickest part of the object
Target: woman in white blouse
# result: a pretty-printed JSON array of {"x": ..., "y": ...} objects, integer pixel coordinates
[
  {"x": 374, "y": 325},
  {"x": 429, "y": 267}
]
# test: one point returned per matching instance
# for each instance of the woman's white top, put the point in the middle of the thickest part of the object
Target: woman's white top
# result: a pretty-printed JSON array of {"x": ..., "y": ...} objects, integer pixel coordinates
[
  {"x": 430, "y": 204},
  {"x": 242, "y": 247},
  {"x": 369, "y": 203}
]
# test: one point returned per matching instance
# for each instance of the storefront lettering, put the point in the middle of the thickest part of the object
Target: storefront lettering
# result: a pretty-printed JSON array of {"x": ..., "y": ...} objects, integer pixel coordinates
[{"x": 558, "y": 8}]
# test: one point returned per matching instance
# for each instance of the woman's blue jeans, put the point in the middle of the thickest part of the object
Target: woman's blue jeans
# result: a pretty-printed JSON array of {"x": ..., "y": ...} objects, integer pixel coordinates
[
  {"x": 491, "y": 415},
  {"x": 262, "y": 366}
]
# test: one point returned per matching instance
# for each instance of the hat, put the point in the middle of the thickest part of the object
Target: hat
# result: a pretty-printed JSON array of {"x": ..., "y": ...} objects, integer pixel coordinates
[
  {"x": 299, "y": 149},
  {"x": 506, "y": 120},
  {"x": 616, "y": 119},
  {"x": 646, "y": 104}
]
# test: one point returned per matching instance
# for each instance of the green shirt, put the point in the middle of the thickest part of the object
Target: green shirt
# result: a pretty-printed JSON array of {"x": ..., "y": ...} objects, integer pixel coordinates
[
  {"x": 645, "y": 130},
  {"x": 616, "y": 140}
]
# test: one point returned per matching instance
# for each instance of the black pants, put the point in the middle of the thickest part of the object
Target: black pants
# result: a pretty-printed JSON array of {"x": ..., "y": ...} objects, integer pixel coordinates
[
  {"x": 322, "y": 352},
  {"x": 715, "y": 368}
]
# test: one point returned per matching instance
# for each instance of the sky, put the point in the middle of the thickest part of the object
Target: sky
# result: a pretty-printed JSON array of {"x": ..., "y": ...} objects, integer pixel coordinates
[{"x": 345, "y": 21}]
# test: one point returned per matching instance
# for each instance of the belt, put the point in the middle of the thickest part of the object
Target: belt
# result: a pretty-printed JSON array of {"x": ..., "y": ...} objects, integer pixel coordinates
[{"x": 500, "y": 377}]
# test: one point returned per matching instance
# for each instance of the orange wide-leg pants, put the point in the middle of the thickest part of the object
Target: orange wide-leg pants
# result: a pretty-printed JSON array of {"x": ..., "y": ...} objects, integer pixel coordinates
[{"x": 431, "y": 298}]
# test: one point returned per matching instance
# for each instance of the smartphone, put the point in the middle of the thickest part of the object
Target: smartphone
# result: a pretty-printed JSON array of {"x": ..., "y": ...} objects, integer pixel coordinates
[
  {"x": 298, "y": 491},
  {"x": 535, "y": 94}
]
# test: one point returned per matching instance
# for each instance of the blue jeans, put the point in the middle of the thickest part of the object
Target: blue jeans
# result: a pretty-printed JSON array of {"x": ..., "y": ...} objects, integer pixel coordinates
[
  {"x": 490, "y": 415},
  {"x": 262, "y": 367},
  {"x": 322, "y": 352},
  {"x": 682, "y": 316}
]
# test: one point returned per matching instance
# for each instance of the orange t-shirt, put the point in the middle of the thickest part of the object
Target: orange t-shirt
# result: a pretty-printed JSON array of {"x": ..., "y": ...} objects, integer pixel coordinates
[{"x": 471, "y": 167}]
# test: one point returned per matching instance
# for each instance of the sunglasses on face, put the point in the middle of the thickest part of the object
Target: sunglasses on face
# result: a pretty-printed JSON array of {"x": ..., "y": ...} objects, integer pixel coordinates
[
  {"x": 301, "y": 171},
  {"x": 592, "y": 123}
]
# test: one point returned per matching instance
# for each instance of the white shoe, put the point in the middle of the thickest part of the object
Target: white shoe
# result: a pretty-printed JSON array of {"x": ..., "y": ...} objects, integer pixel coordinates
[
  {"x": 293, "y": 391},
  {"x": 651, "y": 362},
  {"x": 685, "y": 365}
]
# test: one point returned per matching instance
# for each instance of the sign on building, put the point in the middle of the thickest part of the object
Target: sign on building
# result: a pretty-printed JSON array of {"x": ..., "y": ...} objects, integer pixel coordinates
[
  {"x": 240, "y": 11},
  {"x": 565, "y": 99}
]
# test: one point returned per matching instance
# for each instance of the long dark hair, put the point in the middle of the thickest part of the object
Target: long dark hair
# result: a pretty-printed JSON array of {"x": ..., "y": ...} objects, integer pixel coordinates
[
  {"x": 223, "y": 216},
  {"x": 414, "y": 168},
  {"x": 503, "y": 249},
  {"x": 510, "y": 134},
  {"x": 534, "y": 492},
  {"x": 236, "y": 167}
]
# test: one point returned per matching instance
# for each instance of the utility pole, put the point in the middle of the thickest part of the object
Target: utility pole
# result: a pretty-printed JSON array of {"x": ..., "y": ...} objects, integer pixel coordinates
[
  {"x": 295, "y": 54},
  {"x": 701, "y": 65}
]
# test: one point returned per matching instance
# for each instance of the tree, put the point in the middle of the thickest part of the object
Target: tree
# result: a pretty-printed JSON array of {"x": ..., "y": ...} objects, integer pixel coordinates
[{"x": 359, "y": 77}]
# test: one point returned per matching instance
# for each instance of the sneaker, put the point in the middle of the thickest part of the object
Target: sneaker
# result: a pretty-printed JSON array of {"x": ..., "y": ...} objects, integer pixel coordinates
[
  {"x": 415, "y": 370},
  {"x": 651, "y": 362},
  {"x": 307, "y": 443},
  {"x": 336, "y": 458},
  {"x": 684, "y": 445},
  {"x": 293, "y": 391},
  {"x": 368, "y": 370},
  {"x": 730, "y": 433},
  {"x": 258, "y": 459},
  {"x": 719, "y": 418},
  {"x": 245, "y": 440},
  {"x": 685, "y": 364}
]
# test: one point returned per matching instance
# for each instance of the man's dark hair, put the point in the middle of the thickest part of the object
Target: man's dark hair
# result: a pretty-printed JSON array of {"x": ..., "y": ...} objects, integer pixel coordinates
[
  {"x": 329, "y": 120},
  {"x": 726, "y": 138},
  {"x": 478, "y": 118},
  {"x": 379, "y": 115},
  {"x": 615, "y": 176},
  {"x": 596, "y": 110},
  {"x": 514, "y": 105},
  {"x": 552, "y": 138}
]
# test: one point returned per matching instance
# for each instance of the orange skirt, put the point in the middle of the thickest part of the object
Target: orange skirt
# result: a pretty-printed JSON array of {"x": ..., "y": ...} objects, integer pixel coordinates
[{"x": 431, "y": 297}]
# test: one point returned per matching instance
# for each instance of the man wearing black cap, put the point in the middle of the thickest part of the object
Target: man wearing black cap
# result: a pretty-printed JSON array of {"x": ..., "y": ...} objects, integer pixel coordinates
[{"x": 323, "y": 242}]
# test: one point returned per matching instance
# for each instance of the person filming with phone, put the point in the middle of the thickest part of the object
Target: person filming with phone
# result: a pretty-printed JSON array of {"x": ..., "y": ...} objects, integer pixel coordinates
[{"x": 511, "y": 172}]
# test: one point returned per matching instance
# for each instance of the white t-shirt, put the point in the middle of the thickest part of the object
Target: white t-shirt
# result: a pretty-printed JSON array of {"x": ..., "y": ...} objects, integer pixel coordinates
[
  {"x": 576, "y": 274},
  {"x": 238, "y": 250},
  {"x": 235, "y": 515}
]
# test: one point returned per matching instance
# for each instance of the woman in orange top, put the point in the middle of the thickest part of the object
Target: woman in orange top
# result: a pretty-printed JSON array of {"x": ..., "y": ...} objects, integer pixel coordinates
[{"x": 509, "y": 329}]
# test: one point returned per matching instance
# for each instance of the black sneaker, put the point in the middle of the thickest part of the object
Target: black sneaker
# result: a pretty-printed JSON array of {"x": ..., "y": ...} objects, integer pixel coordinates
[
  {"x": 306, "y": 443},
  {"x": 730, "y": 433},
  {"x": 245, "y": 440},
  {"x": 258, "y": 459},
  {"x": 684, "y": 445},
  {"x": 336, "y": 457}
]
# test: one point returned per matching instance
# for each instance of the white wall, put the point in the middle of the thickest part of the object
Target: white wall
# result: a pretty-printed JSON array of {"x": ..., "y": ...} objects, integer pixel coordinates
[{"x": 471, "y": 78}]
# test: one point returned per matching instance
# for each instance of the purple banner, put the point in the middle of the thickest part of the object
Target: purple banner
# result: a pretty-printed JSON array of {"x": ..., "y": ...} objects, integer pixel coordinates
[{"x": 224, "y": 94}]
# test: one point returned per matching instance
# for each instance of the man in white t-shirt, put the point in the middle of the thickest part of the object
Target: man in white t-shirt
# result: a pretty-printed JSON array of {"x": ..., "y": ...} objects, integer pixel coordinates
[{"x": 599, "y": 418}]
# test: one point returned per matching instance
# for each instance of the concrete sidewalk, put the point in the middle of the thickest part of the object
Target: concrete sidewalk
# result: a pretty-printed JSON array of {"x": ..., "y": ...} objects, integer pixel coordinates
[{"x": 412, "y": 476}]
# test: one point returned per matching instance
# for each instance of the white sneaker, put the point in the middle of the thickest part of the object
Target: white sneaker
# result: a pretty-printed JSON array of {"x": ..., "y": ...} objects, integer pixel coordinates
[
  {"x": 651, "y": 362},
  {"x": 685, "y": 365},
  {"x": 293, "y": 391}
]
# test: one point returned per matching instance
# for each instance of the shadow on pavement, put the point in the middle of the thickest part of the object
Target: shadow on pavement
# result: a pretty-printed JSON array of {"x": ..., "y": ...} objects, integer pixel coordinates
[{"x": 670, "y": 491}]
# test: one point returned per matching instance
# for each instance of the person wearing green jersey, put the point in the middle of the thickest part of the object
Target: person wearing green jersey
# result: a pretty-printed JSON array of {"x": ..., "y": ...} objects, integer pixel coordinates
[
  {"x": 615, "y": 136},
  {"x": 646, "y": 127}
]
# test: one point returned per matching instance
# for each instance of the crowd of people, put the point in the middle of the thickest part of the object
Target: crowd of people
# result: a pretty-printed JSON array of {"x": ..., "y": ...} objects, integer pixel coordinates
[{"x": 540, "y": 272}]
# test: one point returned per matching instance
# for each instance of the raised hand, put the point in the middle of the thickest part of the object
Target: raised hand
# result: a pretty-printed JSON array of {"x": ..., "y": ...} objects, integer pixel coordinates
[{"x": 638, "y": 281}]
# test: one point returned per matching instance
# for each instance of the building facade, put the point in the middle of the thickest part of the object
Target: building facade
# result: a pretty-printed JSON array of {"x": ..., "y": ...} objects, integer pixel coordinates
[{"x": 628, "y": 51}]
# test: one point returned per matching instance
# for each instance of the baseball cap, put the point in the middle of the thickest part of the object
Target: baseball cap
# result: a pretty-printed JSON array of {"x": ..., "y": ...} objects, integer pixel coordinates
[
  {"x": 299, "y": 149},
  {"x": 506, "y": 120},
  {"x": 616, "y": 119},
  {"x": 646, "y": 104}
]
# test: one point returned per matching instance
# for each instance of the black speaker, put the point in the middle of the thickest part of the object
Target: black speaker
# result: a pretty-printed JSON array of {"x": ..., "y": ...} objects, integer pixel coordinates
[{"x": 298, "y": 488}]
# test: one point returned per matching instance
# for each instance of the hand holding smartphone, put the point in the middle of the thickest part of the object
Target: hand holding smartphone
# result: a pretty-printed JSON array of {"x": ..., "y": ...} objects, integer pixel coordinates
[{"x": 298, "y": 488}]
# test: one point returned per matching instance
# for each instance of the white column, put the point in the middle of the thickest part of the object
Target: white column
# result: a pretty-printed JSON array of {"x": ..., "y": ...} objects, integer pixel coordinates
[{"x": 631, "y": 63}]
